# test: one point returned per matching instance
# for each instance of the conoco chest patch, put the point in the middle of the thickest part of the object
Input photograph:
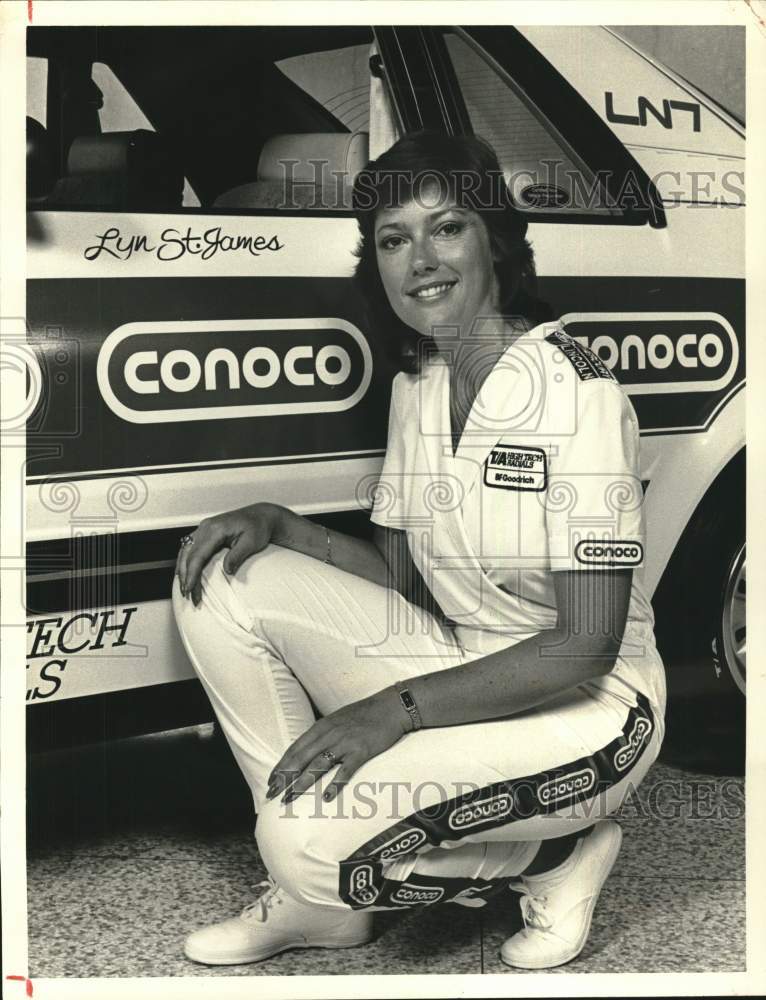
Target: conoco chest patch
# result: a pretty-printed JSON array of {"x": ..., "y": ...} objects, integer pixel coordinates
[{"x": 516, "y": 467}]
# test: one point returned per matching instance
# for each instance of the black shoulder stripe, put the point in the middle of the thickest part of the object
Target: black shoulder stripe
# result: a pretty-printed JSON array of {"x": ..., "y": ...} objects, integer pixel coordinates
[{"x": 587, "y": 364}]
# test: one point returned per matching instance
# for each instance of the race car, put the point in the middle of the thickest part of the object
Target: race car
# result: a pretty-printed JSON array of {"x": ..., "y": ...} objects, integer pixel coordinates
[{"x": 194, "y": 340}]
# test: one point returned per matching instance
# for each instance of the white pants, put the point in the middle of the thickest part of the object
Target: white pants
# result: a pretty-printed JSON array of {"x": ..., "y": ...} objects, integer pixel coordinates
[{"x": 446, "y": 812}]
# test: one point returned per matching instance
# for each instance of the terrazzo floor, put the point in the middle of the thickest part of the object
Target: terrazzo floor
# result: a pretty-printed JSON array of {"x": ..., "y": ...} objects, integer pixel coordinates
[{"x": 131, "y": 844}]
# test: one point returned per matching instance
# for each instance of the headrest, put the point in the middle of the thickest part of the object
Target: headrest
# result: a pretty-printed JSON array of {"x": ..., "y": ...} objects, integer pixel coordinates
[
  {"x": 287, "y": 157},
  {"x": 123, "y": 169},
  {"x": 141, "y": 151}
]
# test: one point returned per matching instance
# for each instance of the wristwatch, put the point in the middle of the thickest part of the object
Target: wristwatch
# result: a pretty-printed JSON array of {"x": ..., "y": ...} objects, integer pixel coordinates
[{"x": 408, "y": 704}]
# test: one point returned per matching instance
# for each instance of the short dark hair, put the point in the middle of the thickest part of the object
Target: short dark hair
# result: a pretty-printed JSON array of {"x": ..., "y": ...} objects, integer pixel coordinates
[{"x": 467, "y": 169}]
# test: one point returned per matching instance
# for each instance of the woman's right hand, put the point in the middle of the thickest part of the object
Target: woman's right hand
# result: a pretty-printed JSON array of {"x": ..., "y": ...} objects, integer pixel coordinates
[{"x": 244, "y": 532}]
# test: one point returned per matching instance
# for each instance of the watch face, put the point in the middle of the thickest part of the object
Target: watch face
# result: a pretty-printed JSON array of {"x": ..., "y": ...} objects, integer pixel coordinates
[{"x": 407, "y": 699}]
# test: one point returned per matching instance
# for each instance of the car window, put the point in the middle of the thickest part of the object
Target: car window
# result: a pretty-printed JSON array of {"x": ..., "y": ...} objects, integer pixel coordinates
[
  {"x": 120, "y": 113},
  {"x": 246, "y": 120},
  {"x": 314, "y": 169},
  {"x": 338, "y": 79},
  {"x": 543, "y": 172},
  {"x": 37, "y": 84}
]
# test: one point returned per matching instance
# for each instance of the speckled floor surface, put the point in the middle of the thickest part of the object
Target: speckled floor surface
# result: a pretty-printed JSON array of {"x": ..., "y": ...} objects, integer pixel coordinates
[{"x": 133, "y": 844}]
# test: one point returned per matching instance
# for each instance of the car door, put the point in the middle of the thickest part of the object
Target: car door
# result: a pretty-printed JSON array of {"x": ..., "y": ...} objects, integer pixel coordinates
[{"x": 198, "y": 336}]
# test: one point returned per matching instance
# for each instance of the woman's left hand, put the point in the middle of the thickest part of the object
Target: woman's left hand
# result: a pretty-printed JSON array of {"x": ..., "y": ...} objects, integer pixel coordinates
[{"x": 352, "y": 735}]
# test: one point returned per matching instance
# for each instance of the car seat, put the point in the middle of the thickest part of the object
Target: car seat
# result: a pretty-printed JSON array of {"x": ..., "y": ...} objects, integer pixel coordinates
[
  {"x": 310, "y": 170},
  {"x": 124, "y": 171}
]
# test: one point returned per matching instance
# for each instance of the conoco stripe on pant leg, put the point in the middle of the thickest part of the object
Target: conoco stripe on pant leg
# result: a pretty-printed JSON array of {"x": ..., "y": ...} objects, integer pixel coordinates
[
  {"x": 427, "y": 890},
  {"x": 361, "y": 879}
]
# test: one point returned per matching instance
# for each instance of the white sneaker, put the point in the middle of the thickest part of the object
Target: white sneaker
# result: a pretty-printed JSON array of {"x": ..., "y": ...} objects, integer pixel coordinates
[
  {"x": 274, "y": 923},
  {"x": 557, "y": 906}
]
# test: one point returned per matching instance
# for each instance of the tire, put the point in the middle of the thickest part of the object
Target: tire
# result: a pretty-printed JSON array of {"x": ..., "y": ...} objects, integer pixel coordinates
[
  {"x": 731, "y": 644},
  {"x": 700, "y": 628}
]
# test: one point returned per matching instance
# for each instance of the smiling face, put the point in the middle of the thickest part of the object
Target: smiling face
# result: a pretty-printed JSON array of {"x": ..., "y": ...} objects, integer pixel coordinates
[{"x": 436, "y": 264}]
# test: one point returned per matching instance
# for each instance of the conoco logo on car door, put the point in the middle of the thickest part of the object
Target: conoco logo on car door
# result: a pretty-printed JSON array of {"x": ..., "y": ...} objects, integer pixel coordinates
[
  {"x": 213, "y": 369},
  {"x": 661, "y": 352}
]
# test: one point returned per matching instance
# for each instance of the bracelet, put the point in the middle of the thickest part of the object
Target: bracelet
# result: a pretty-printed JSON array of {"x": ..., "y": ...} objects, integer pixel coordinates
[
  {"x": 328, "y": 557},
  {"x": 409, "y": 705}
]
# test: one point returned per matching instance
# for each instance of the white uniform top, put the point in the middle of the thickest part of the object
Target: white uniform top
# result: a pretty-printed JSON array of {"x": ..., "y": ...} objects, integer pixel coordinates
[{"x": 545, "y": 478}]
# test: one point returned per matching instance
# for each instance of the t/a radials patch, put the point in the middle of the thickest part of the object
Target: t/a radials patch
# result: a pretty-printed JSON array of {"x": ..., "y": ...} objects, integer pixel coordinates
[
  {"x": 516, "y": 467},
  {"x": 585, "y": 362}
]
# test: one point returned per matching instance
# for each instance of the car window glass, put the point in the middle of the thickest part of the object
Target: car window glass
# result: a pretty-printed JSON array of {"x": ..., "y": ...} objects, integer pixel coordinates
[
  {"x": 338, "y": 79},
  {"x": 257, "y": 119},
  {"x": 37, "y": 83},
  {"x": 544, "y": 174},
  {"x": 120, "y": 113},
  {"x": 313, "y": 169}
]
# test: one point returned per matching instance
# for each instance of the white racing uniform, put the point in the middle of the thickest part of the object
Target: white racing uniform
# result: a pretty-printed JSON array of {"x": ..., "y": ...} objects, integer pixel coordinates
[{"x": 545, "y": 478}]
